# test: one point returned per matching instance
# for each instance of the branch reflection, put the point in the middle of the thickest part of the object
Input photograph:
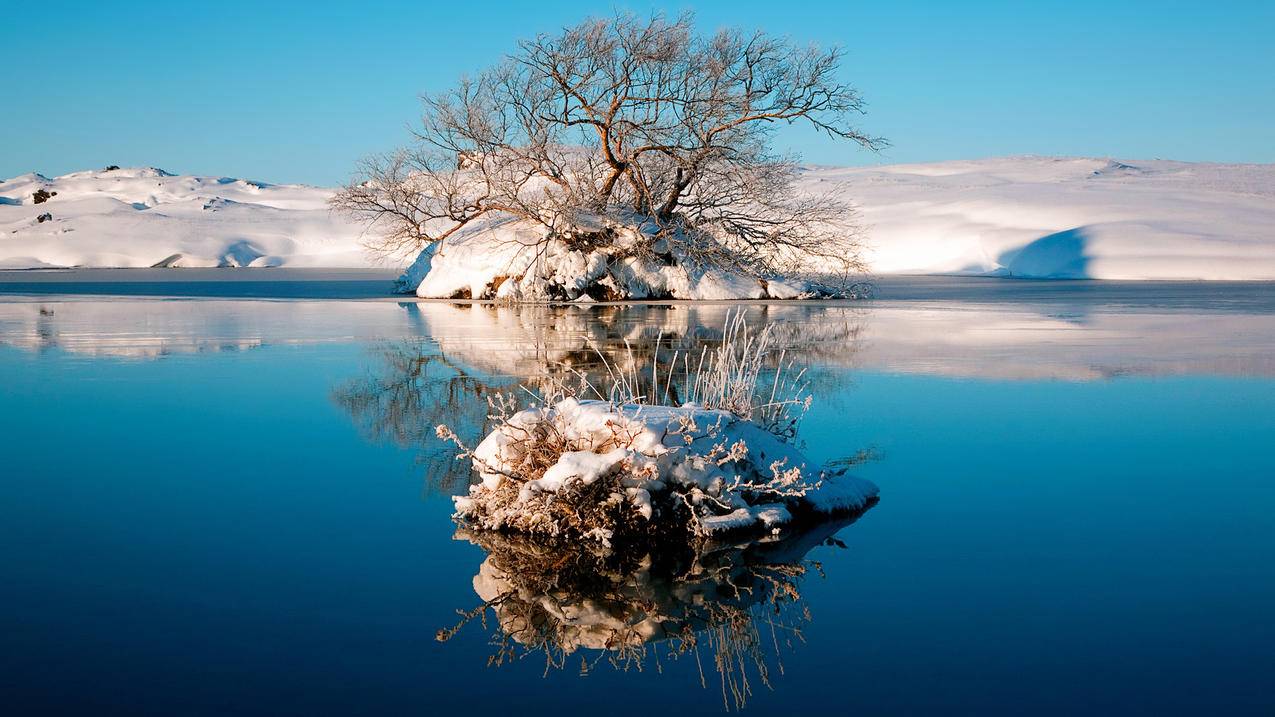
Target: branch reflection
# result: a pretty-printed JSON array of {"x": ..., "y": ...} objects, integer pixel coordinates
[{"x": 735, "y": 609}]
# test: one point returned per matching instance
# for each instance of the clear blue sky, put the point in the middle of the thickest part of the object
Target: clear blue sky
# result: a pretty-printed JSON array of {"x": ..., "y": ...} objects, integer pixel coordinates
[{"x": 295, "y": 92}]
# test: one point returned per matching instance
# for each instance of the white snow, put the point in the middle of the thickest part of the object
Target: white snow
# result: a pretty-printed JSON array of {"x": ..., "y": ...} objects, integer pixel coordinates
[
  {"x": 583, "y": 466},
  {"x": 770, "y": 516},
  {"x": 836, "y": 496},
  {"x": 1031, "y": 217},
  {"x": 656, "y": 448},
  {"x": 1044, "y": 217},
  {"x": 140, "y": 217},
  {"x": 505, "y": 258},
  {"x": 1021, "y": 216}
]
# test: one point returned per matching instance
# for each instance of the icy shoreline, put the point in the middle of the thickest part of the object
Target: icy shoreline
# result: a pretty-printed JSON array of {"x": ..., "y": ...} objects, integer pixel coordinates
[{"x": 349, "y": 284}]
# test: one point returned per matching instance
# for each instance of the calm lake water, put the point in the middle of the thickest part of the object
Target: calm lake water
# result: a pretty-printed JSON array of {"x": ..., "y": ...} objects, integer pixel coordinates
[{"x": 221, "y": 505}]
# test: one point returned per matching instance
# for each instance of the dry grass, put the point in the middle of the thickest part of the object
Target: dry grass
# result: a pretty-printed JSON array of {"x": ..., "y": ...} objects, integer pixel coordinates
[{"x": 728, "y": 377}]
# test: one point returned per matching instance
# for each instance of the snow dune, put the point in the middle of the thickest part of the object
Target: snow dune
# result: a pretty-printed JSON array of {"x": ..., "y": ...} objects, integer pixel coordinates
[{"x": 1033, "y": 217}]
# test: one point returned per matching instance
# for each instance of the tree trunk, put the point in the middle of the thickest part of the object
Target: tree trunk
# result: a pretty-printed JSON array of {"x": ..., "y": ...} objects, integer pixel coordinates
[{"x": 680, "y": 183}]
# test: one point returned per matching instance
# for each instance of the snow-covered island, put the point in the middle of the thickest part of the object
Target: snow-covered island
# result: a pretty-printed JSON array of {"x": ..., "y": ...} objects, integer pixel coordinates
[
  {"x": 669, "y": 514},
  {"x": 1030, "y": 217},
  {"x": 708, "y": 446},
  {"x": 592, "y": 470}
]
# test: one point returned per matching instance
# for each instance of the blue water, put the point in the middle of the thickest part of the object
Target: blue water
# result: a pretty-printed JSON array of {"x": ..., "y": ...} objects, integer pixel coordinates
[{"x": 206, "y": 528}]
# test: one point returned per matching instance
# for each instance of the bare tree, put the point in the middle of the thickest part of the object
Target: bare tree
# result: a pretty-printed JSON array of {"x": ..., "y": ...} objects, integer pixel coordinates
[{"x": 640, "y": 120}]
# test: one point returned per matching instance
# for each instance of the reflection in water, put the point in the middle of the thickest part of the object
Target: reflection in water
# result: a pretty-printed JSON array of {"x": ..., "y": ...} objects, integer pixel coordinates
[
  {"x": 735, "y": 609},
  {"x": 107, "y": 550},
  {"x": 956, "y": 338},
  {"x": 412, "y": 389},
  {"x": 411, "y": 386},
  {"x": 44, "y": 328}
]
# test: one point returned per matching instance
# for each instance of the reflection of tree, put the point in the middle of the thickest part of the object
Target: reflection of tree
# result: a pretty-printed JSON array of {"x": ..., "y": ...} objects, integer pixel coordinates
[
  {"x": 739, "y": 606},
  {"x": 414, "y": 389},
  {"x": 476, "y": 350}
]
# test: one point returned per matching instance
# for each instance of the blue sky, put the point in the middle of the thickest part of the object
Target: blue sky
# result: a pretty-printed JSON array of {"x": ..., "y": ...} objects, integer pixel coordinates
[{"x": 296, "y": 92}]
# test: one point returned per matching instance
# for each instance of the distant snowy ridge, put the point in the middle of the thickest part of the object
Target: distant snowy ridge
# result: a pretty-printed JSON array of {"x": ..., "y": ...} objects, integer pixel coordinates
[
  {"x": 1042, "y": 217},
  {"x": 140, "y": 217},
  {"x": 1033, "y": 217}
]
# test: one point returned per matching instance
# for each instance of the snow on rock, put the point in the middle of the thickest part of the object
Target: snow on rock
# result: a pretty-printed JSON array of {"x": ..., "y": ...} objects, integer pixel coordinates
[
  {"x": 140, "y": 217},
  {"x": 837, "y": 496},
  {"x": 732, "y": 472}
]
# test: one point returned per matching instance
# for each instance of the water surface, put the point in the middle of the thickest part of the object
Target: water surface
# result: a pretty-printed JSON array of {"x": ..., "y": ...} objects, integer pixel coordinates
[{"x": 232, "y": 505}]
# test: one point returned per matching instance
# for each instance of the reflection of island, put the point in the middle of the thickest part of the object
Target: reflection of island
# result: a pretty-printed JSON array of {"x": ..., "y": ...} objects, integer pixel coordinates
[
  {"x": 154, "y": 328},
  {"x": 62, "y": 327},
  {"x": 475, "y": 351},
  {"x": 737, "y": 606},
  {"x": 948, "y": 337}
]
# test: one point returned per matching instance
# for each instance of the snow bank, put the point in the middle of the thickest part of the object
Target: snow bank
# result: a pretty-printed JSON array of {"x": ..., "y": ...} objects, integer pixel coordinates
[
  {"x": 1017, "y": 216},
  {"x": 1030, "y": 217},
  {"x": 510, "y": 259},
  {"x": 1043, "y": 217},
  {"x": 730, "y": 473},
  {"x": 141, "y": 217}
]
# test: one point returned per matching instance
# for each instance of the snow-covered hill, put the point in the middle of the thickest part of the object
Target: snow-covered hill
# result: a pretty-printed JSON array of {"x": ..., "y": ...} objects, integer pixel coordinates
[
  {"x": 138, "y": 217},
  {"x": 1020, "y": 216},
  {"x": 1073, "y": 218}
]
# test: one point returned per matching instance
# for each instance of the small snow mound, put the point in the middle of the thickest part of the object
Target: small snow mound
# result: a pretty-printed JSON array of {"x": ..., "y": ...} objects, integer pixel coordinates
[
  {"x": 118, "y": 173},
  {"x": 141, "y": 172},
  {"x": 1115, "y": 167},
  {"x": 217, "y": 203},
  {"x": 27, "y": 178},
  {"x": 737, "y": 519},
  {"x": 240, "y": 254},
  {"x": 842, "y": 494},
  {"x": 168, "y": 262},
  {"x": 245, "y": 183}
]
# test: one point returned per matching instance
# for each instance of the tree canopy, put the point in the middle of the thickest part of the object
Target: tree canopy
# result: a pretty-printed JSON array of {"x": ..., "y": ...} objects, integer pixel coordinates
[{"x": 638, "y": 120}]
